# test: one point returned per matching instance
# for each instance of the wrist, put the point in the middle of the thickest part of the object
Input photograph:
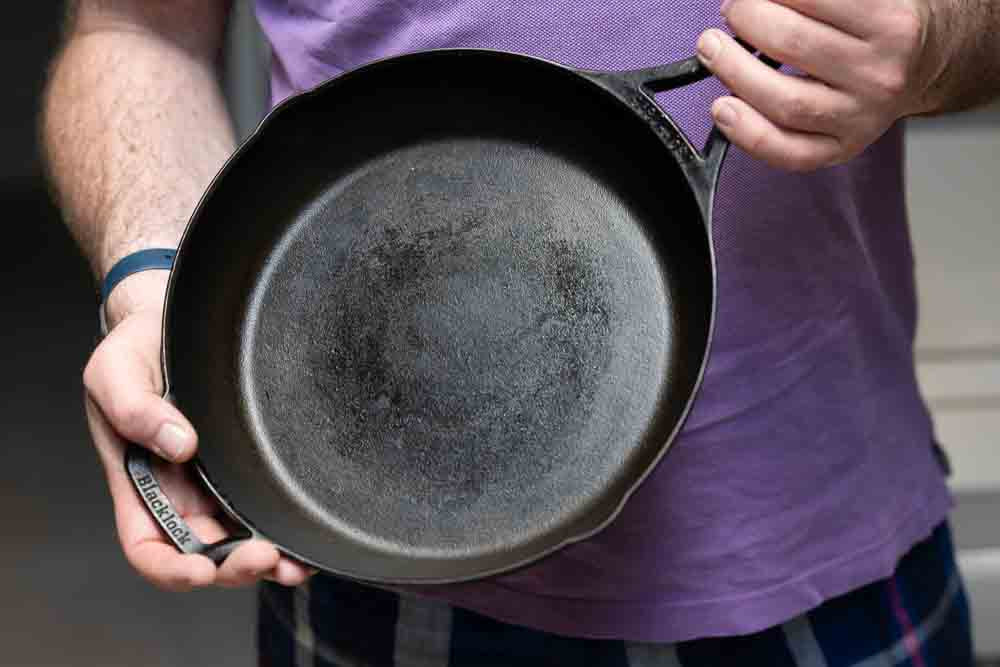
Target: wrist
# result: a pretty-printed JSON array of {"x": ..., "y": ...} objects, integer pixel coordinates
[
  {"x": 144, "y": 291},
  {"x": 945, "y": 34},
  {"x": 934, "y": 55}
]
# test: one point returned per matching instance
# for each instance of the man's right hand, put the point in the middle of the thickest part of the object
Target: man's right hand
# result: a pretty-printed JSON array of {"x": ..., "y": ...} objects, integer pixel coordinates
[{"x": 124, "y": 388}]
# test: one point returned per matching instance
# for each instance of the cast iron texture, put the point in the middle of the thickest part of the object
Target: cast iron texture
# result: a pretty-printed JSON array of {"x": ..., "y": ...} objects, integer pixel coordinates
[{"x": 442, "y": 314}]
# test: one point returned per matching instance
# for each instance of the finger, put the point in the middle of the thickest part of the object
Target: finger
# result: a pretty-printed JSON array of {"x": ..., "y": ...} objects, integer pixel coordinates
[
  {"x": 289, "y": 572},
  {"x": 820, "y": 50},
  {"x": 850, "y": 16},
  {"x": 168, "y": 568},
  {"x": 248, "y": 564},
  {"x": 790, "y": 101},
  {"x": 133, "y": 520},
  {"x": 136, "y": 524},
  {"x": 779, "y": 147},
  {"x": 143, "y": 544},
  {"x": 123, "y": 381}
]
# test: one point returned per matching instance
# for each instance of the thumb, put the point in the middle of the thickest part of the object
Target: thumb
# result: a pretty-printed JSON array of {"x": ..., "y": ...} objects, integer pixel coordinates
[{"x": 123, "y": 378}]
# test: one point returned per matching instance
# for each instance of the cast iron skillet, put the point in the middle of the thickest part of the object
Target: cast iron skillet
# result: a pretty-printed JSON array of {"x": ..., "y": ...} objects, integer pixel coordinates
[{"x": 441, "y": 315}]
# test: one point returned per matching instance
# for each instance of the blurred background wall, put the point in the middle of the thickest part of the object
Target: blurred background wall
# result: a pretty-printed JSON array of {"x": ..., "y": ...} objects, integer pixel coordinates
[
  {"x": 953, "y": 172},
  {"x": 69, "y": 597}
]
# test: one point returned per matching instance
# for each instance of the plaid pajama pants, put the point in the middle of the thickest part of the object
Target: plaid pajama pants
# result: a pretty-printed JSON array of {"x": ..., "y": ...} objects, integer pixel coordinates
[{"x": 916, "y": 618}]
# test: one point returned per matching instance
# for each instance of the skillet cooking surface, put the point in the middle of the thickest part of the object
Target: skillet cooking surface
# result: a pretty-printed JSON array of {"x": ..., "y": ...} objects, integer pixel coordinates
[{"x": 429, "y": 328}]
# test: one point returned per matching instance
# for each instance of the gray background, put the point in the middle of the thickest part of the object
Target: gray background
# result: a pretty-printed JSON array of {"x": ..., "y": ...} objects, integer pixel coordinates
[{"x": 69, "y": 597}]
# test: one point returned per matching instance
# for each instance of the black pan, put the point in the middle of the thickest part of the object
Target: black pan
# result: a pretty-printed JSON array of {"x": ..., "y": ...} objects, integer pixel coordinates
[{"x": 441, "y": 315}]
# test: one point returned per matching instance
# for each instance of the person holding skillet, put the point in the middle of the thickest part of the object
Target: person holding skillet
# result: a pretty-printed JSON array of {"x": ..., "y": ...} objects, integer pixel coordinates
[{"x": 801, "y": 518}]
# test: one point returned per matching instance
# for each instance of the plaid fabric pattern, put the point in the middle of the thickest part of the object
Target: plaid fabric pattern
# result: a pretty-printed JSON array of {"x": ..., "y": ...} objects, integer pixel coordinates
[{"x": 917, "y": 618}]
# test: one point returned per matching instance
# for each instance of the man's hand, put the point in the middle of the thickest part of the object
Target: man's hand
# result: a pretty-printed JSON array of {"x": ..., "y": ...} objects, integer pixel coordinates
[
  {"x": 123, "y": 401},
  {"x": 862, "y": 65}
]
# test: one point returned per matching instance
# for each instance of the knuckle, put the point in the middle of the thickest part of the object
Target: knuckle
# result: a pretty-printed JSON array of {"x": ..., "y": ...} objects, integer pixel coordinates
[
  {"x": 732, "y": 11},
  {"x": 796, "y": 107},
  {"x": 90, "y": 376},
  {"x": 92, "y": 372},
  {"x": 905, "y": 27},
  {"x": 890, "y": 82},
  {"x": 790, "y": 44},
  {"x": 126, "y": 414},
  {"x": 757, "y": 141},
  {"x": 799, "y": 110},
  {"x": 829, "y": 119}
]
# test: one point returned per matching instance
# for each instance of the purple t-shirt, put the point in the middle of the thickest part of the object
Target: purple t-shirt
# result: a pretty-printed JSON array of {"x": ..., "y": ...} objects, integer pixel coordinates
[{"x": 806, "y": 467}]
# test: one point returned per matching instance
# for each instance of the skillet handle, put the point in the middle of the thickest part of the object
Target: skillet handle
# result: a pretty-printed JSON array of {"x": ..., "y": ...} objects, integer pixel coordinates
[
  {"x": 140, "y": 471},
  {"x": 637, "y": 87},
  {"x": 661, "y": 78}
]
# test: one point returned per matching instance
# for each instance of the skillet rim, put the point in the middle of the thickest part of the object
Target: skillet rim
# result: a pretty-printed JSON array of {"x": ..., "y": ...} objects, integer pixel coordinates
[{"x": 591, "y": 523}]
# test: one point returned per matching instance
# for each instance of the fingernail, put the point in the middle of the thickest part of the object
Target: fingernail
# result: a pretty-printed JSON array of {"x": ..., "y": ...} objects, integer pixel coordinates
[
  {"x": 709, "y": 45},
  {"x": 173, "y": 440},
  {"x": 725, "y": 114}
]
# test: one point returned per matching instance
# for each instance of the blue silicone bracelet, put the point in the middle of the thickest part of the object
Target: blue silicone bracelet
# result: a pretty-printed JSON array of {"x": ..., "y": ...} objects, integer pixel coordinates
[{"x": 144, "y": 260}]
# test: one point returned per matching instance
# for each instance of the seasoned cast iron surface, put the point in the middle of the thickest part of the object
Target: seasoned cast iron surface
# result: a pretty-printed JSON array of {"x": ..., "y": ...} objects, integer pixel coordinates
[{"x": 457, "y": 358}]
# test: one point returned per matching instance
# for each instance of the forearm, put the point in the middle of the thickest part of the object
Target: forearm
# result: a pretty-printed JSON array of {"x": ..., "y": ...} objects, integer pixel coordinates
[
  {"x": 134, "y": 125},
  {"x": 966, "y": 72}
]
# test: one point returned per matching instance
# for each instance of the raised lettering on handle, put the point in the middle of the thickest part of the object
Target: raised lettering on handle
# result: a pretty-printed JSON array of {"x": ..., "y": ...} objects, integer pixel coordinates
[{"x": 140, "y": 471}]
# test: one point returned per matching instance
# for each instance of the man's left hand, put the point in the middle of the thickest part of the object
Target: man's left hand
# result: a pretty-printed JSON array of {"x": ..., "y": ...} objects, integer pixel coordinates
[{"x": 861, "y": 65}]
